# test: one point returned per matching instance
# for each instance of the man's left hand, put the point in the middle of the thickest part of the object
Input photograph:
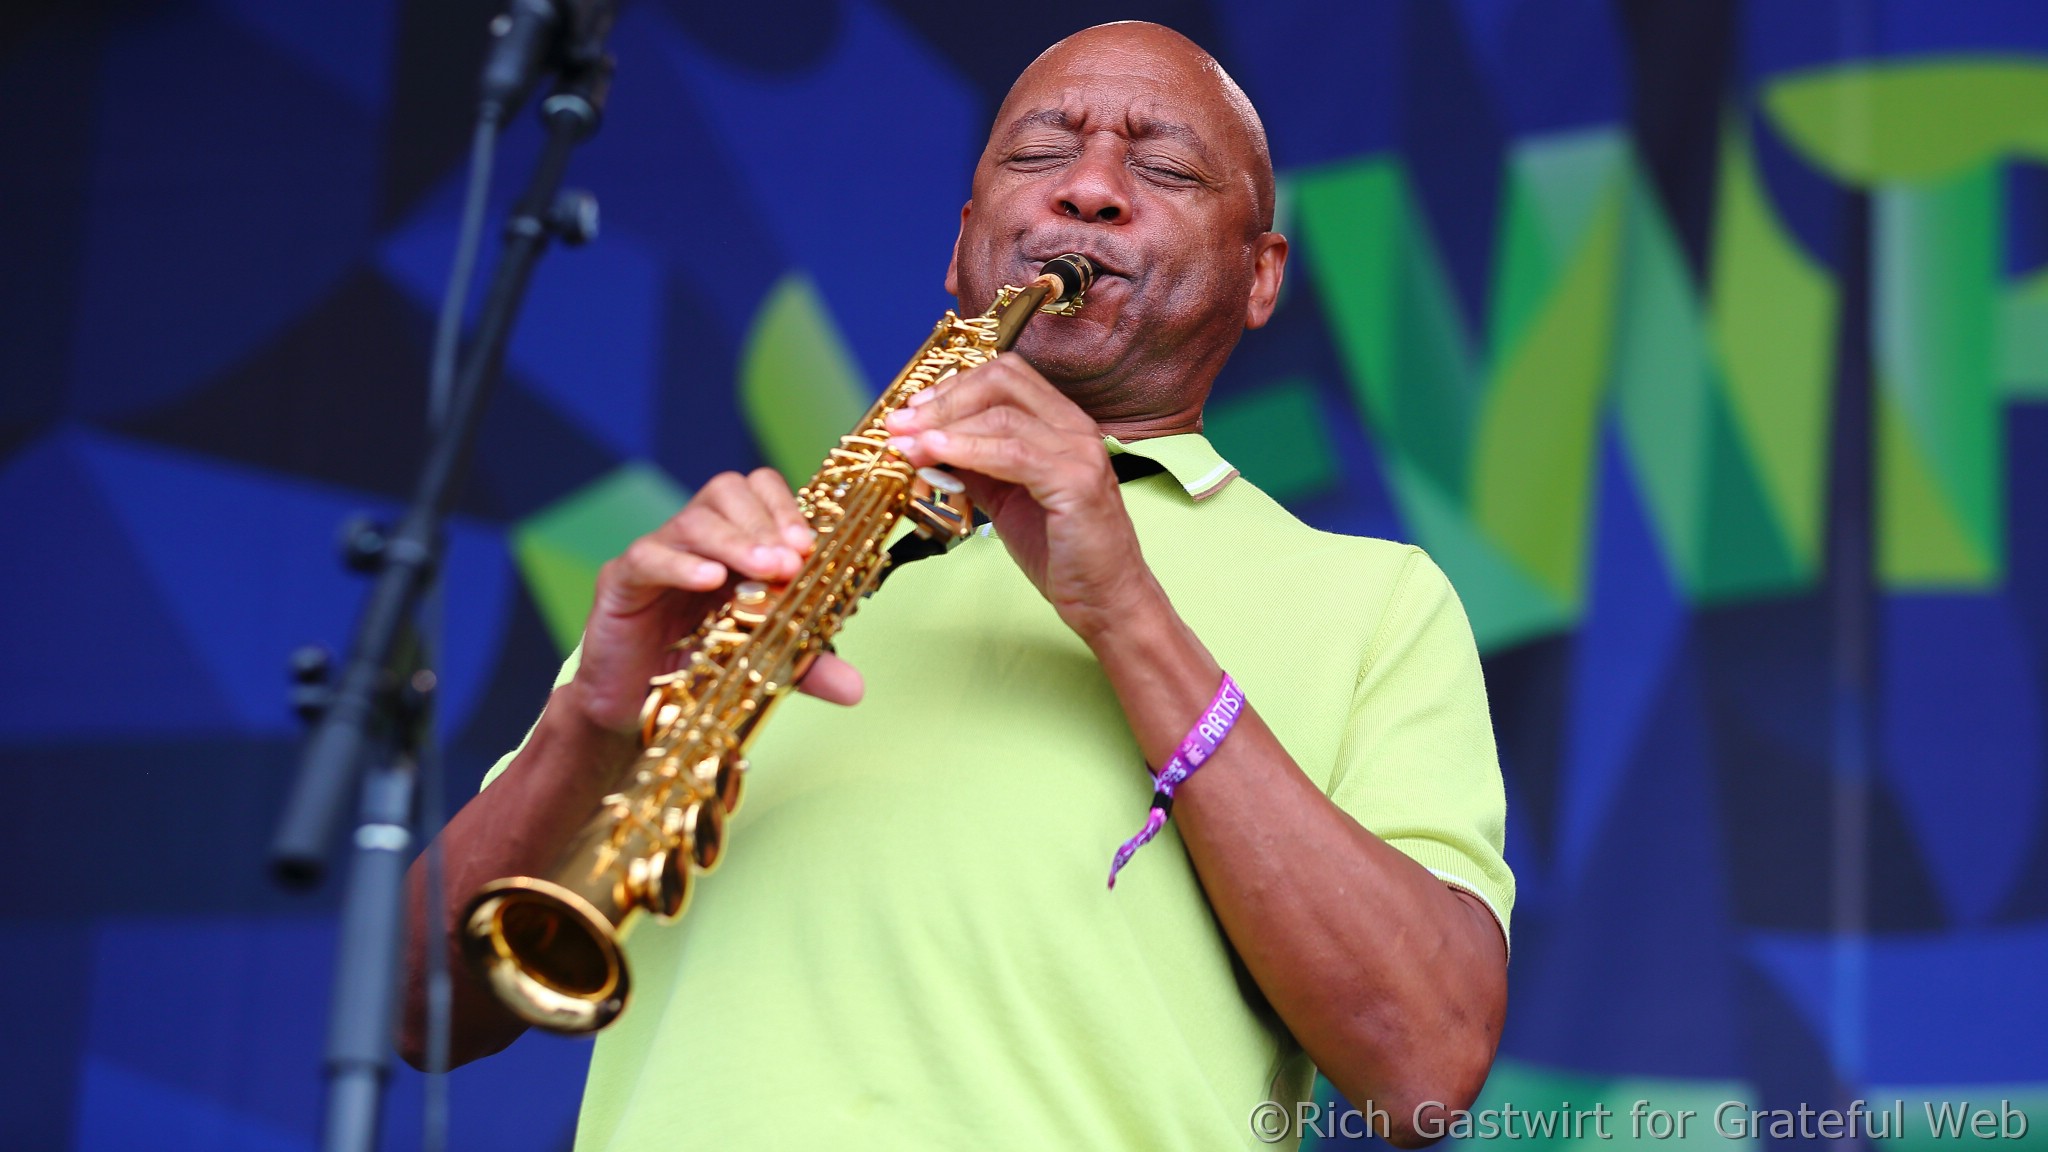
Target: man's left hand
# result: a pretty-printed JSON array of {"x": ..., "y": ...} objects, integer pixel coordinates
[{"x": 1035, "y": 462}]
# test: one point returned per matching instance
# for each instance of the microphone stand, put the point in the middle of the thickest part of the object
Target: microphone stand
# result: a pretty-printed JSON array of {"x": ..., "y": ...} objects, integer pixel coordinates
[{"x": 377, "y": 712}]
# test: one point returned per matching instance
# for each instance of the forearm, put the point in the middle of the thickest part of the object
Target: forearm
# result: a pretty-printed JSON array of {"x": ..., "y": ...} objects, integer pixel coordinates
[
  {"x": 517, "y": 826},
  {"x": 1392, "y": 981}
]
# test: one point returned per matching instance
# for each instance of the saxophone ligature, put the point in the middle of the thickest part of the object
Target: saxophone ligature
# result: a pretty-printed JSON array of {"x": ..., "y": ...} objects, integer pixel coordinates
[{"x": 550, "y": 947}]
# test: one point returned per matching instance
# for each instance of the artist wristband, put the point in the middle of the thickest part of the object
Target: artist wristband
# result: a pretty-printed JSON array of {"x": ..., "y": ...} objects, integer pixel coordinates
[{"x": 1196, "y": 747}]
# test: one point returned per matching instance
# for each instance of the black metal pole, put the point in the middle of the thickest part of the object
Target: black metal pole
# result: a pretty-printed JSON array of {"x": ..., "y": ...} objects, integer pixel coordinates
[
  {"x": 409, "y": 558},
  {"x": 365, "y": 1004},
  {"x": 370, "y": 710}
]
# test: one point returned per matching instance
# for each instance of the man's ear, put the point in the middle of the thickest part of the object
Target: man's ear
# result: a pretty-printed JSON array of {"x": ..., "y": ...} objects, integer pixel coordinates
[
  {"x": 1269, "y": 267},
  {"x": 953, "y": 265}
]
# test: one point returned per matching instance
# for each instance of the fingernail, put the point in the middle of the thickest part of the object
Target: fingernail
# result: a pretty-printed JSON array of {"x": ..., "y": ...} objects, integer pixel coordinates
[
  {"x": 788, "y": 558},
  {"x": 798, "y": 535},
  {"x": 706, "y": 570},
  {"x": 917, "y": 398},
  {"x": 765, "y": 555},
  {"x": 903, "y": 444},
  {"x": 901, "y": 418},
  {"x": 935, "y": 439}
]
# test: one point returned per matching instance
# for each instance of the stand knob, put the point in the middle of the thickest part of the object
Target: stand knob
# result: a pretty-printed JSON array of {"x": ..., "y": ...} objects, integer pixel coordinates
[
  {"x": 574, "y": 217},
  {"x": 311, "y": 666},
  {"x": 362, "y": 539}
]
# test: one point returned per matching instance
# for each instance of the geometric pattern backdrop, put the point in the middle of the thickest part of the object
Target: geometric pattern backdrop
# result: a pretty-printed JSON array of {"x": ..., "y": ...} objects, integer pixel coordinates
[{"x": 1705, "y": 346}]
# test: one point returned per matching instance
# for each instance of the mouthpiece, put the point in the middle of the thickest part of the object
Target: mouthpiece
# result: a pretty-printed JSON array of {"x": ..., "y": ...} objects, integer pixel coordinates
[
  {"x": 1075, "y": 273},
  {"x": 1056, "y": 289}
]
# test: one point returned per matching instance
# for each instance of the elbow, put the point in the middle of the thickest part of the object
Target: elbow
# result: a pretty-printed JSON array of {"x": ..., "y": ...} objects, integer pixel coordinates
[
  {"x": 412, "y": 1048},
  {"x": 1437, "y": 1086},
  {"x": 412, "y": 1034},
  {"x": 1418, "y": 1115},
  {"x": 474, "y": 1032},
  {"x": 1422, "y": 1118}
]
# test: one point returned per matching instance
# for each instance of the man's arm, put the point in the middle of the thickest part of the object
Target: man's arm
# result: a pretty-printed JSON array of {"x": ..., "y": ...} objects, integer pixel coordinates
[
  {"x": 658, "y": 590},
  {"x": 1395, "y": 984}
]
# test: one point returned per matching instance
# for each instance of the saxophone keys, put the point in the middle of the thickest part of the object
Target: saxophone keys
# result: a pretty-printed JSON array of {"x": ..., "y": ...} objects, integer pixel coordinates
[
  {"x": 657, "y": 715},
  {"x": 659, "y": 882},
  {"x": 942, "y": 480},
  {"x": 703, "y": 834},
  {"x": 704, "y": 775},
  {"x": 938, "y": 513},
  {"x": 731, "y": 784}
]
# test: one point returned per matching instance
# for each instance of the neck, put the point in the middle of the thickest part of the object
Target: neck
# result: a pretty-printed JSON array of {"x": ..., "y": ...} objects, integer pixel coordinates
[
  {"x": 1145, "y": 407},
  {"x": 1131, "y": 429},
  {"x": 1155, "y": 401}
]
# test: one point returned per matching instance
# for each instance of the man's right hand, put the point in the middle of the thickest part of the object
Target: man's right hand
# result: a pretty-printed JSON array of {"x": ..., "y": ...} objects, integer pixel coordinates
[{"x": 657, "y": 592}]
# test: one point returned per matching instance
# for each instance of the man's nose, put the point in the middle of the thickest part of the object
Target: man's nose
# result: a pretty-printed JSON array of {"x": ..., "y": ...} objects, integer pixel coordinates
[{"x": 1096, "y": 189}]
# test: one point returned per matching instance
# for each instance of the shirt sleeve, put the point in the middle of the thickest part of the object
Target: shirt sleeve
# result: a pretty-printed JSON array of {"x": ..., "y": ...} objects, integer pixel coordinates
[
  {"x": 1417, "y": 765},
  {"x": 561, "y": 678}
]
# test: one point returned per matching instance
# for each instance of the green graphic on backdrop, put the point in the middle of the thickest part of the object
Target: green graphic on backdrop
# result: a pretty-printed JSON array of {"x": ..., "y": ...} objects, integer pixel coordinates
[
  {"x": 800, "y": 387},
  {"x": 1928, "y": 139},
  {"x": 1276, "y": 434},
  {"x": 561, "y": 547},
  {"x": 1720, "y": 392}
]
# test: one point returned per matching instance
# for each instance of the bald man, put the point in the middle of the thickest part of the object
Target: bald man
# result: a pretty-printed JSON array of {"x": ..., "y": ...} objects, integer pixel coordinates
[{"x": 913, "y": 946}]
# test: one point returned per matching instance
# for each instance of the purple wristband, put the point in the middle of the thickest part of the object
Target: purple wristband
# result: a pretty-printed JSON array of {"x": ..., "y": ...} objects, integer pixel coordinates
[{"x": 1196, "y": 747}]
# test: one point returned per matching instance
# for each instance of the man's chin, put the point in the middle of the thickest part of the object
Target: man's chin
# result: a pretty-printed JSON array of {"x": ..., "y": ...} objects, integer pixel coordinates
[{"x": 1067, "y": 351}]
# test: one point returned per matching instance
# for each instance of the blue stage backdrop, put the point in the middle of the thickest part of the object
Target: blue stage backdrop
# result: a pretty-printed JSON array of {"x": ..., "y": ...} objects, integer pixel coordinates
[{"x": 1703, "y": 342}]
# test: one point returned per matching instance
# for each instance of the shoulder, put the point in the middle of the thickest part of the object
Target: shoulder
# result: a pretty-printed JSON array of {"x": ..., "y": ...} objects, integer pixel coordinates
[
  {"x": 1361, "y": 592},
  {"x": 1257, "y": 521},
  {"x": 1394, "y": 593}
]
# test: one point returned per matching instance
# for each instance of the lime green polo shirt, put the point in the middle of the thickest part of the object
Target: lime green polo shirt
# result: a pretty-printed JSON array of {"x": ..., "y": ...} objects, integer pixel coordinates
[{"x": 910, "y": 945}]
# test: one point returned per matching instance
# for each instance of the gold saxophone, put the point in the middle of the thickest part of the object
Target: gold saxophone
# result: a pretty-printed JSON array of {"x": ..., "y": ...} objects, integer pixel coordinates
[{"x": 549, "y": 947}]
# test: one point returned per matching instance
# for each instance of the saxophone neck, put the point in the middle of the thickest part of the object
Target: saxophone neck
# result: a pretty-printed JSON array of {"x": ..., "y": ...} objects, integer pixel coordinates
[{"x": 1057, "y": 289}]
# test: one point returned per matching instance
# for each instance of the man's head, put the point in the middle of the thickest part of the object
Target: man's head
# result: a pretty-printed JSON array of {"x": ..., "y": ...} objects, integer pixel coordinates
[{"x": 1129, "y": 144}]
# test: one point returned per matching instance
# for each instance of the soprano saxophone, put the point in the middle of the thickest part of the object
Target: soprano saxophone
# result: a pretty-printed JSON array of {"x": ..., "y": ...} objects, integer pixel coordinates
[{"x": 550, "y": 946}]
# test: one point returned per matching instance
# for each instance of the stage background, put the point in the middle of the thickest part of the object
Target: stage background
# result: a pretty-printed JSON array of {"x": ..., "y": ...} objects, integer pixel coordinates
[{"x": 1703, "y": 343}]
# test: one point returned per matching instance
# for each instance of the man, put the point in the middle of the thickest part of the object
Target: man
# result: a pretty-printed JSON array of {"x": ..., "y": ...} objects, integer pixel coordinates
[{"x": 911, "y": 945}]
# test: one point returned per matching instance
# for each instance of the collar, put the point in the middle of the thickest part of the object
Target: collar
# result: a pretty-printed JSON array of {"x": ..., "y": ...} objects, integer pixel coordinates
[{"x": 1188, "y": 457}]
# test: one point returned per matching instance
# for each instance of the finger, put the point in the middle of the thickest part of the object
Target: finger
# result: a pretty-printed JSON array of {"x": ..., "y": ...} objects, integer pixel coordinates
[
  {"x": 706, "y": 531},
  {"x": 1035, "y": 394},
  {"x": 833, "y": 680},
  {"x": 639, "y": 576},
  {"x": 773, "y": 492},
  {"x": 1005, "y": 381},
  {"x": 1021, "y": 451},
  {"x": 1007, "y": 421},
  {"x": 738, "y": 500}
]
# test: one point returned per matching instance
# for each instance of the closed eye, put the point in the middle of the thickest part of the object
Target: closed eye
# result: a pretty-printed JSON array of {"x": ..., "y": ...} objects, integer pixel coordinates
[
  {"x": 1037, "y": 159},
  {"x": 1165, "y": 174}
]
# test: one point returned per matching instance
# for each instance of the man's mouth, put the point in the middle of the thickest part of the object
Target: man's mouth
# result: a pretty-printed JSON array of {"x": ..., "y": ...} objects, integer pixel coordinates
[{"x": 1103, "y": 266}]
